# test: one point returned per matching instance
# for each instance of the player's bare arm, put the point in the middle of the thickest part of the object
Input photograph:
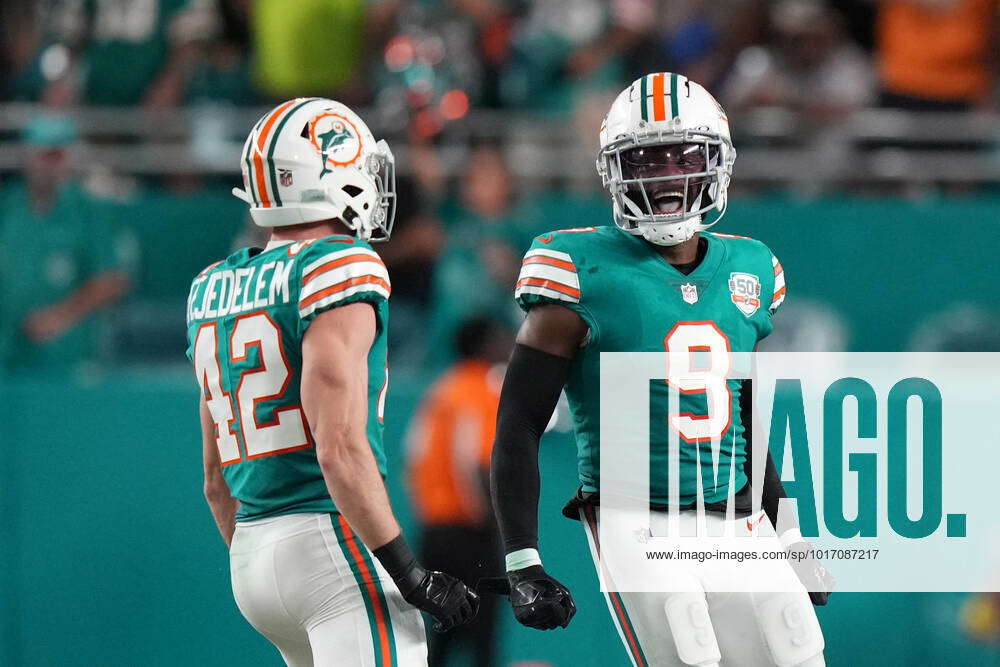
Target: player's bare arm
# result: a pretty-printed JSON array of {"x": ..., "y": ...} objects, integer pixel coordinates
[
  {"x": 334, "y": 397},
  {"x": 553, "y": 330},
  {"x": 538, "y": 369},
  {"x": 222, "y": 504}
]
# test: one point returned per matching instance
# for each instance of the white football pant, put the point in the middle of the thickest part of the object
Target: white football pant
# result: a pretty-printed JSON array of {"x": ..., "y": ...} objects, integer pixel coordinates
[
  {"x": 720, "y": 612},
  {"x": 308, "y": 584}
]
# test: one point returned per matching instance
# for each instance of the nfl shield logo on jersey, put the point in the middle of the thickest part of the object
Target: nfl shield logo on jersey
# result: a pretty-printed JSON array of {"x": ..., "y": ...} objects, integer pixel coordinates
[
  {"x": 689, "y": 292},
  {"x": 746, "y": 292}
]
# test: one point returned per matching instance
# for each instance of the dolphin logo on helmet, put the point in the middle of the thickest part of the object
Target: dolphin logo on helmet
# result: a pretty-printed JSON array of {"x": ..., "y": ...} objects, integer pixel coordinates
[
  {"x": 332, "y": 138},
  {"x": 354, "y": 184},
  {"x": 336, "y": 139}
]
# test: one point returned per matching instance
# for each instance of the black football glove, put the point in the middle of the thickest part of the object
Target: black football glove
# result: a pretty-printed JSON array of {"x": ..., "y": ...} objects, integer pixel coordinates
[
  {"x": 813, "y": 575},
  {"x": 441, "y": 595},
  {"x": 539, "y": 601}
]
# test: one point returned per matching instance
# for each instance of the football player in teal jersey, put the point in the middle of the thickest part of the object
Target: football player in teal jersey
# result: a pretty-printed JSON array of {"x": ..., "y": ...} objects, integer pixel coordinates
[
  {"x": 289, "y": 350},
  {"x": 655, "y": 281}
]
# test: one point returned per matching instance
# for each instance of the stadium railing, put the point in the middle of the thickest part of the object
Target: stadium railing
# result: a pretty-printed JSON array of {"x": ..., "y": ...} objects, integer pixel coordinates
[{"x": 777, "y": 147}]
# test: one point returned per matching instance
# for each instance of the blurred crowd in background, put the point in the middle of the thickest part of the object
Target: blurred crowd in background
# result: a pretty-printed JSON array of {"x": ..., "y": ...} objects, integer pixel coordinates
[
  {"x": 120, "y": 122},
  {"x": 446, "y": 56}
]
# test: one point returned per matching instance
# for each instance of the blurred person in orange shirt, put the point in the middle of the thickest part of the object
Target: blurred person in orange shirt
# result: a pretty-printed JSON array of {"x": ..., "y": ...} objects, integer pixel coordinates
[
  {"x": 449, "y": 448},
  {"x": 937, "y": 55}
]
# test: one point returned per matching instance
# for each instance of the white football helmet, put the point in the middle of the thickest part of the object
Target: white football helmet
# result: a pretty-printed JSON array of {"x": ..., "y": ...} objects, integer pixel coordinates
[
  {"x": 313, "y": 159},
  {"x": 666, "y": 118}
]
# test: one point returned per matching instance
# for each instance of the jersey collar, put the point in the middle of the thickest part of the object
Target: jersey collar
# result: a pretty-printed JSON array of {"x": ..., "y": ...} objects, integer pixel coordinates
[{"x": 714, "y": 255}]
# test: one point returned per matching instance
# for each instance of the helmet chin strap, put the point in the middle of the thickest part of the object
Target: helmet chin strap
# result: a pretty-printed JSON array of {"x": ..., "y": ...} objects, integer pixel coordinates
[{"x": 670, "y": 234}]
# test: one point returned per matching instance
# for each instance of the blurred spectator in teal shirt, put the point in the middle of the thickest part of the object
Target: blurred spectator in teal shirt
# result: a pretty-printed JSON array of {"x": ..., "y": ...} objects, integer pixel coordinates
[
  {"x": 118, "y": 53},
  {"x": 63, "y": 259},
  {"x": 563, "y": 49},
  {"x": 486, "y": 232}
]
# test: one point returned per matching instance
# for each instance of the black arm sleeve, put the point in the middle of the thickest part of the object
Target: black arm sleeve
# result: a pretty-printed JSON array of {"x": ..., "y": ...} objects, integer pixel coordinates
[
  {"x": 529, "y": 395},
  {"x": 773, "y": 490}
]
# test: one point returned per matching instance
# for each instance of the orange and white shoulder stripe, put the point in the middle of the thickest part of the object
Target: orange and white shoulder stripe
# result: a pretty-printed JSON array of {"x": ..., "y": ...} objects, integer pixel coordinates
[
  {"x": 779, "y": 285},
  {"x": 549, "y": 273},
  {"x": 340, "y": 274}
]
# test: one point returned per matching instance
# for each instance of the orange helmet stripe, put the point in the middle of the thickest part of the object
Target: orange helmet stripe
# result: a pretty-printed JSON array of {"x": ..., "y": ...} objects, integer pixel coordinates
[
  {"x": 258, "y": 160},
  {"x": 659, "y": 98},
  {"x": 251, "y": 186}
]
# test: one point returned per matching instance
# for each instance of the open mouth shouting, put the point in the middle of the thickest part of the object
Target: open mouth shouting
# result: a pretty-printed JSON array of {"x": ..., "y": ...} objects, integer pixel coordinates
[{"x": 666, "y": 201}]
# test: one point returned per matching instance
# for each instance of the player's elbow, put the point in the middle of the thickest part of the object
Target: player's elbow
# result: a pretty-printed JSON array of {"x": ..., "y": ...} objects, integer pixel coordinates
[
  {"x": 337, "y": 447},
  {"x": 216, "y": 491}
]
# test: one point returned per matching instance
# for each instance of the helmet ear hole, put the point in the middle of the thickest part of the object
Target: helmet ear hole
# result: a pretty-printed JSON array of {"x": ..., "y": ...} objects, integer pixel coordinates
[
  {"x": 349, "y": 216},
  {"x": 352, "y": 190},
  {"x": 305, "y": 131}
]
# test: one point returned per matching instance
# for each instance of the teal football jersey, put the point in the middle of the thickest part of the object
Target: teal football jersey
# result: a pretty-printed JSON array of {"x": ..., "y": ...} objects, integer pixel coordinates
[
  {"x": 633, "y": 300},
  {"x": 246, "y": 319}
]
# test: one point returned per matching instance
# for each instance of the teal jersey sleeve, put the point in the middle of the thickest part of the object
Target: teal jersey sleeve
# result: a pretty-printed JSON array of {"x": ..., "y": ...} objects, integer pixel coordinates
[
  {"x": 772, "y": 289},
  {"x": 760, "y": 289},
  {"x": 550, "y": 274},
  {"x": 778, "y": 296},
  {"x": 339, "y": 270}
]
